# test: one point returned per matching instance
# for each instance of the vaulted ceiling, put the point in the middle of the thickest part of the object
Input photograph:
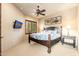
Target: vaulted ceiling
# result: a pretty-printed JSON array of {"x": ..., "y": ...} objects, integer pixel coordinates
[{"x": 29, "y": 8}]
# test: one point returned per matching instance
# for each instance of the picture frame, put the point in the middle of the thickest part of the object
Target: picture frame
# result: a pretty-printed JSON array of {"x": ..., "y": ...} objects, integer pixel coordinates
[
  {"x": 54, "y": 20},
  {"x": 47, "y": 22},
  {"x": 59, "y": 18}
]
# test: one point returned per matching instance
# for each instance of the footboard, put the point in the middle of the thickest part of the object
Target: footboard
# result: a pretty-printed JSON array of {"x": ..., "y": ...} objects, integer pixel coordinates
[{"x": 48, "y": 43}]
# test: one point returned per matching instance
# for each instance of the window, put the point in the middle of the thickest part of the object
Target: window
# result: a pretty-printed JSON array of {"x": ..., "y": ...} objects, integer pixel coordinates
[{"x": 30, "y": 27}]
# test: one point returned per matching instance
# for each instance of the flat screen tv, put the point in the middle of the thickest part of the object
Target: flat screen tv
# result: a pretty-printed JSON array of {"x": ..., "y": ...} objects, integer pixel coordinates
[{"x": 17, "y": 24}]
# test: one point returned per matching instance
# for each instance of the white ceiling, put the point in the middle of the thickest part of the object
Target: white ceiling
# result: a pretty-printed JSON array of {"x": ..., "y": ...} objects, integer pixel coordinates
[{"x": 29, "y": 8}]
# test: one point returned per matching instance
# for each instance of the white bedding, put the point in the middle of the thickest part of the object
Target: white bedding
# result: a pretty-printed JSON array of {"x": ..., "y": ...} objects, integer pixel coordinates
[{"x": 44, "y": 35}]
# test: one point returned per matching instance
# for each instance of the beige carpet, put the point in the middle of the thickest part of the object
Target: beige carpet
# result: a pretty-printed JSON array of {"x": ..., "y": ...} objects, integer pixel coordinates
[{"x": 34, "y": 49}]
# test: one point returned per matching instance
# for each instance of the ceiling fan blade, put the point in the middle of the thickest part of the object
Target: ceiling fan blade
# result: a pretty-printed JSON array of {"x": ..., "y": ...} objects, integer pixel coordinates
[
  {"x": 43, "y": 10},
  {"x": 42, "y": 14}
]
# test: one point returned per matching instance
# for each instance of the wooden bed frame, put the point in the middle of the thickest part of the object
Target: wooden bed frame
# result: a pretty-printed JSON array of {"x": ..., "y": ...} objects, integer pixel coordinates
[{"x": 48, "y": 43}]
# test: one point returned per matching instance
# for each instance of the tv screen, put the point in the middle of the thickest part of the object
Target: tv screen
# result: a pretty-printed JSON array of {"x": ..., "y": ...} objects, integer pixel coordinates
[{"x": 17, "y": 24}]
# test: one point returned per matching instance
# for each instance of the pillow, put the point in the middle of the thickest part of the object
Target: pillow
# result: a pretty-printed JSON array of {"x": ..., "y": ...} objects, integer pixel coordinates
[{"x": 55, "y": 31}]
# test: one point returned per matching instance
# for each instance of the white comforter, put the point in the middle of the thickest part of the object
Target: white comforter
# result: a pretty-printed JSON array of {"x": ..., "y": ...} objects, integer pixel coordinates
[{"x": 44, "y": 35}]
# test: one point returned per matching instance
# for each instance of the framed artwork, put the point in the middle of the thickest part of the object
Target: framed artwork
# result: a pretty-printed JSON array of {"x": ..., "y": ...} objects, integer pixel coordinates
[
  {"x": 47, "y": 22},
  {"x": 59, "y": 18},
  {"x": 54, "y": 20}
]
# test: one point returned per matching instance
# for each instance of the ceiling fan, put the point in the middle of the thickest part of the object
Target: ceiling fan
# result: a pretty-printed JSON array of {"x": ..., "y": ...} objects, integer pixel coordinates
[{"x": 40, "y": 12}]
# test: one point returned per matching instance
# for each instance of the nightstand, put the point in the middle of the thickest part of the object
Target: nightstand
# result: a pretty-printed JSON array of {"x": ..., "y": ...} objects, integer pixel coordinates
[{"x": 72, "y": 38}]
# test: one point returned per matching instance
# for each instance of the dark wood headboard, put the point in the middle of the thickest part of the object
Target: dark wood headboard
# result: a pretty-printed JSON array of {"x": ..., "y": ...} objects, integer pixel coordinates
[
  {"x": 54, "y": 27},
  {"x": 50, "y": 28}
]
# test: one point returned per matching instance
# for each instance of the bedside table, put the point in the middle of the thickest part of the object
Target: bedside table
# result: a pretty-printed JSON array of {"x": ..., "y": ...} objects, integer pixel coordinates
[{"x": 73, "y": 38}]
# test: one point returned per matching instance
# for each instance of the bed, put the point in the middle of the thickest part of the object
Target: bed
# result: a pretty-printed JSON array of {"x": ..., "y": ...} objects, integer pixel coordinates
[{"x": 49, "y": 37}]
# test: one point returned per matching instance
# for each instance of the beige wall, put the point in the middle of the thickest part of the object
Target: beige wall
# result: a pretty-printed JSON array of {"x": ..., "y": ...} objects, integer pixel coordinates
[
  {"x": 78, "y": 27},
  {"x": 11, "y": 36},
  {"x": 69, "y": 18}
]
